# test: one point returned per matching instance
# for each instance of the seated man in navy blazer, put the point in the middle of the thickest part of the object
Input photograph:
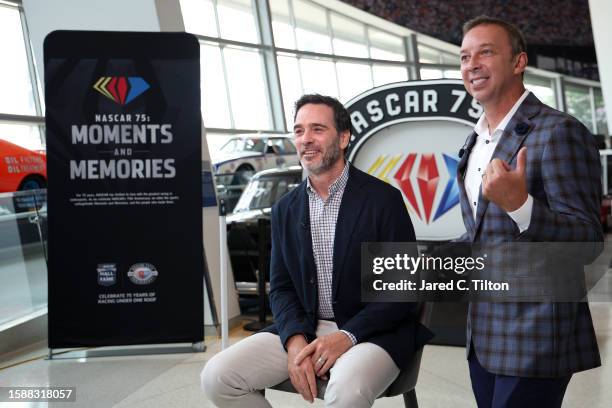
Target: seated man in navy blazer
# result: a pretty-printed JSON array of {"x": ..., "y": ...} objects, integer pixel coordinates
[{"x": 322, "y": 328}]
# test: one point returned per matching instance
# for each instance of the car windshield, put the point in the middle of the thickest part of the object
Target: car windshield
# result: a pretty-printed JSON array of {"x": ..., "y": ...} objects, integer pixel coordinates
[
  {"x": 244, "y": 145},
  {"x": 264, "y": 191}
]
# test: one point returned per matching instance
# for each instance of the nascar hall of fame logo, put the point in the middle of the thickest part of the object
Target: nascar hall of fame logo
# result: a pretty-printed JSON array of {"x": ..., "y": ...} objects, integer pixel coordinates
[
  {"x": 121, "y": 89},
  {"x": 107, "y": 274},
  {"x": 142, "y": 273},
  {"x": 409, "y": 135}
]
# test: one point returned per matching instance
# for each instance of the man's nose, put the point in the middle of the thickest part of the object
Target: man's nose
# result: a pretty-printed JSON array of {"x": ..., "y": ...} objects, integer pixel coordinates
[
  {"x": 473, "y": 64},
  {"x": 306, "y": 137}
]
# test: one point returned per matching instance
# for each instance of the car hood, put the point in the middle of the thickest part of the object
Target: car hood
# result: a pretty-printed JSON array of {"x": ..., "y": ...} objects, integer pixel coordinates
[
  {"x": 249, "y": 215},
  {"x": 221, "y": 158}
]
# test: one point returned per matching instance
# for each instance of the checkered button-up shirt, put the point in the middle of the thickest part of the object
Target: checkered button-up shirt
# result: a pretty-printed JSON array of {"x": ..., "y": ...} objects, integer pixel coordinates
[{"x": 323, "y": 218}]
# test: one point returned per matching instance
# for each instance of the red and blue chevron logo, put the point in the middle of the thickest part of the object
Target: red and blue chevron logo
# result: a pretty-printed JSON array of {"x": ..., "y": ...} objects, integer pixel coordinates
[
  {"x": 421, "y": 183},
  {"x": 120, "y": 89}
]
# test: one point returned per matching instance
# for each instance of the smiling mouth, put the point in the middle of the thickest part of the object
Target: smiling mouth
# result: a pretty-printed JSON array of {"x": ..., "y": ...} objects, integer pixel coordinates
[
  {"x": 308, "y": 154},
  {"x": 478, "y": 81}
]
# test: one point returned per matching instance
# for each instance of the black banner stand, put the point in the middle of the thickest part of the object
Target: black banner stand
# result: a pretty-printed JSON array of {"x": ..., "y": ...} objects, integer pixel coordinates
[
  {"x": 261, "y": 278},
  {"x": 125, "y": 255}
]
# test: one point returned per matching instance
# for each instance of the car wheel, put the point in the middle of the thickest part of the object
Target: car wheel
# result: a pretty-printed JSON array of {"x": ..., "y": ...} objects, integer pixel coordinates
[
  {"x": 32, "y": 183},
  {"x": 243, "y": 175}
]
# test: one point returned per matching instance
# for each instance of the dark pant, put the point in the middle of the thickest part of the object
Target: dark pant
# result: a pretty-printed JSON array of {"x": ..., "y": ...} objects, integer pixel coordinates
[{"x": 502, "y": 391}]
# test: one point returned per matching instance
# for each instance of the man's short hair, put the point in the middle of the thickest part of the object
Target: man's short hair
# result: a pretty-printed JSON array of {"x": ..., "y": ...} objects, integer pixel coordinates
[
  {"x": 517, "y": 40},
  {"x": 342, "y": 119}
]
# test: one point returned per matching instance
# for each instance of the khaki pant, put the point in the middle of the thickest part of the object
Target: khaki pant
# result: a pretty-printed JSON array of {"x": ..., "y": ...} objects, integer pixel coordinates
[{"x": 233, "y": 376}]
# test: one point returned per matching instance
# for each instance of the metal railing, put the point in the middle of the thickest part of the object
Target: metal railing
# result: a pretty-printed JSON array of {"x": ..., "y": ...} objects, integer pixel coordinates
[{"x": 23, "y": 260}]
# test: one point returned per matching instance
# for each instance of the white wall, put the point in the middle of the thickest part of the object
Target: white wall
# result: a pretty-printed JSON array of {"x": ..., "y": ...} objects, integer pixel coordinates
[{"x": 601, "y": 16}]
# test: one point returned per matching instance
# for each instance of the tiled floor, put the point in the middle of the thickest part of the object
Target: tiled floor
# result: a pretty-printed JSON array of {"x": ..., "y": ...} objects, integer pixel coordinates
[{"x": 172, "y": 380}]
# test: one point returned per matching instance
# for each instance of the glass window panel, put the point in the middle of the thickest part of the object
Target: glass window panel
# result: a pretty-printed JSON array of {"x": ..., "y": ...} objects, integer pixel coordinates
[
  {"x": 450, "y": 59},
  {"x": 380, "y": 54},
  {"x": 289, "y": 72},
  {"x": 215, "y": 142},
  {"x": 353, "y": 79},
  {"x": 311, "y": 41},
  {"x": 350, "y": 48},
  {"x": 600, "y": 113},
  {"x": 311, "y": 31},
  {"x": 27, "y": 136},
  {"x": 428, "y": 55},
  {"x": 199, "y": 17},
  {"x": 347, "y": 29},
  {"x": 17, "y": 95},
  {"x": 349, "y": 37},
  {"x": 281, "y": 24},
  {"x": 318, "y": 77},
  {"x": 431, "y": 73},
  {"x": 247, "y": 87},
  {"x": 386, "y": 74},
  {"x": 579, "y": 104},
  {"x": 386, "y": 46},
  {"x": 215, "y": 108},
  {"x": 283, "y": 35},
  {"x": 542, "y": 88},
  {"x": 39, "y": 86},
  {"x": 236, "y": 20}
]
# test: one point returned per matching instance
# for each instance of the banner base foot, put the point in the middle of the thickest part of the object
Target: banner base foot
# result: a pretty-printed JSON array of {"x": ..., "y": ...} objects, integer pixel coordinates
[{"x": 120, "y": 351}]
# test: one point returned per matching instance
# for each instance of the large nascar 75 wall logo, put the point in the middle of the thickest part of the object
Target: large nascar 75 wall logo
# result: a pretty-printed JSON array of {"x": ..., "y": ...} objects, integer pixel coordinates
[{"x": 409, "y": 135}]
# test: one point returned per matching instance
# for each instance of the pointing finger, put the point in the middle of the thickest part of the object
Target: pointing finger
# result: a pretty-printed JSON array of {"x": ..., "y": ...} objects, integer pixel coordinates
[{"x": 521, "y": 160}]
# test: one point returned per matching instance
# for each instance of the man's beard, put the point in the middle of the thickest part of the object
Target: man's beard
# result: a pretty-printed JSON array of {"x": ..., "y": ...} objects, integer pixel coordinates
[{"x": 331, "y": 155}]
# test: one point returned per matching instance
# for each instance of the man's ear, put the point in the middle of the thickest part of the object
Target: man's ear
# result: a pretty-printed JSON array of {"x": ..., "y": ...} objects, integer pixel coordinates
[
  {"x": 345, "y": 137},
  {"x": 521, "y": 63}
]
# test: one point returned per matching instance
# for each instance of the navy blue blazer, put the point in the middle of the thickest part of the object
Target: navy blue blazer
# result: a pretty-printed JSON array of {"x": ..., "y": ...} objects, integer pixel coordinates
[{"x": 371, "y": 211}]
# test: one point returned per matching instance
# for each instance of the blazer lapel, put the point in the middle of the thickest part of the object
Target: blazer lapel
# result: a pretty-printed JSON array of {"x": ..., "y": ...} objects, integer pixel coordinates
[
  {"x": 466, "y": 211},
  {"x": 463, "y": 160},
  {"x": 302, "y": 214},
  {"x": 510, "y": 142},
  {"x": 352, "y": 203}
]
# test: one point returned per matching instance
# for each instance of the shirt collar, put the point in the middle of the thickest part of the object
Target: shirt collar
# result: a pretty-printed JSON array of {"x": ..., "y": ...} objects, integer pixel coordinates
[
  {"x": 338, "y": 184},
  {"x": 482, "y": 126}
]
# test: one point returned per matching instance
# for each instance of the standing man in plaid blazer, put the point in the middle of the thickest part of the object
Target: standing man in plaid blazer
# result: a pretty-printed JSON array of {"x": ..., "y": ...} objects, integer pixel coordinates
[{"x": 529, "y": 173}]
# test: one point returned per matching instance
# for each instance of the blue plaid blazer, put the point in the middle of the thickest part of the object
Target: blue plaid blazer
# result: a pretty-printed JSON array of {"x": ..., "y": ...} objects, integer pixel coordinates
[{"x": 564, "y": 178}]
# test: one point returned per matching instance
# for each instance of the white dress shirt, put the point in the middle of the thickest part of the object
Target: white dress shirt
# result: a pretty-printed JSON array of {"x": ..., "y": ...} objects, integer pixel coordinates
[{"x": 479, "y": 158}]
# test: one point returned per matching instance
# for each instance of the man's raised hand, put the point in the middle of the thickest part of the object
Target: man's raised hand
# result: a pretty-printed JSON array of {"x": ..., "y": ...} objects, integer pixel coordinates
[{"x": 505, "y": 187}]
